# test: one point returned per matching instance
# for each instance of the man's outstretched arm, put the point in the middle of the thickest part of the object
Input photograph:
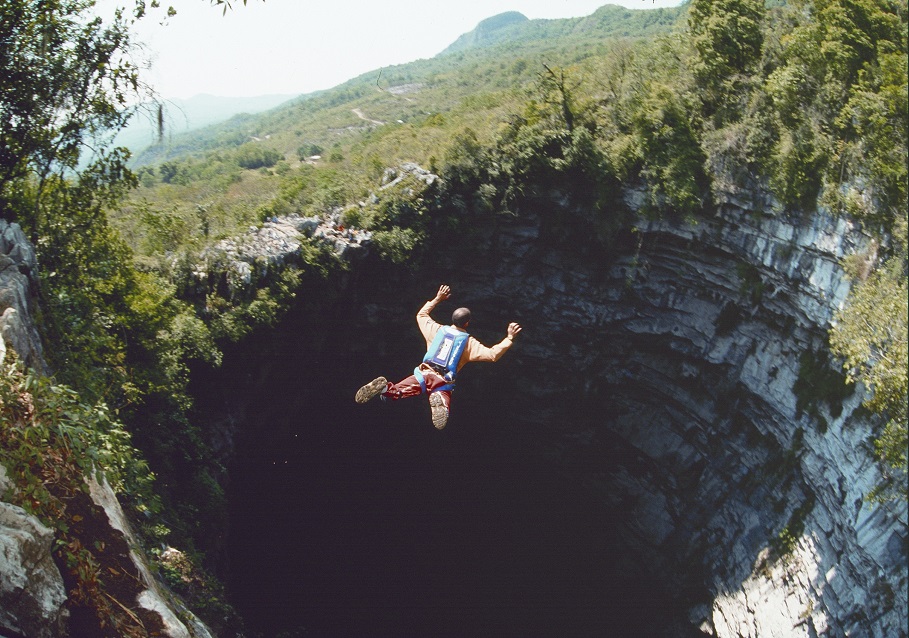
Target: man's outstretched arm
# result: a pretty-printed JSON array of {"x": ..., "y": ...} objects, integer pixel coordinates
[
  {"x": 428, "y": 326},
  {"x": 476, "y": 351}
]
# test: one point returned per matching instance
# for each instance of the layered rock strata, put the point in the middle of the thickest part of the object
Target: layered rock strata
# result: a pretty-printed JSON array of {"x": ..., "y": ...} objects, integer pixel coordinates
[
  {"x": 669, "y": 369},
  {"x": 688, "y": 343}
]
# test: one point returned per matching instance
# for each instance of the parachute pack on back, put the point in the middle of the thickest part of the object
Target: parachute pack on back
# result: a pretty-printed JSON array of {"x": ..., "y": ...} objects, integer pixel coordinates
[{"x": 444, "y": 353}]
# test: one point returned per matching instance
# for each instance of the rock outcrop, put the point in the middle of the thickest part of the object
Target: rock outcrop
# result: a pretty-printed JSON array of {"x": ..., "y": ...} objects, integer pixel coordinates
[
  {"x": 249, "y": 258},
  {"x": 18, "y": 281},
  {"x": 32, "y": 591},
  {"x": 31, "y": 588}
]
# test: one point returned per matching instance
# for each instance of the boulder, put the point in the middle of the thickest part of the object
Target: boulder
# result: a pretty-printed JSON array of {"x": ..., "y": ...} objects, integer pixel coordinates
[
  {"x": 32, "y": 594},
  {"x": 18, "y": 281}
]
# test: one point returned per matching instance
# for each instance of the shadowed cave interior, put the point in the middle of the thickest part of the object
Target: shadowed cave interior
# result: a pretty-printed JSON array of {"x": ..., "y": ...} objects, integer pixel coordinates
[{"x": 363, "y": 520}]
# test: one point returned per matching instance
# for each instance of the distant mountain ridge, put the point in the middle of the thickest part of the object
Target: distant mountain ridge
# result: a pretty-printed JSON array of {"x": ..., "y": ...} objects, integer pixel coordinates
[
  {"x": 487, "y": 32},
  {"x": 471, "y": 64},
  {"x": 609, "y": 21}
]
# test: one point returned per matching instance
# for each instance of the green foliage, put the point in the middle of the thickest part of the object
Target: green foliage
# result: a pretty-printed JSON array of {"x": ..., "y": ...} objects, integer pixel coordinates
[
  {"x": 875, "y": 118},
  {"x": 870, "y": 335},
  {"x": 311, "y": 191},
  {"x": 93, "y": 298},
  {"x": 548, "y": 149},
  {"x": 253, "y": 155},
  {"x": 670, "y": 151},
  {"x": 49, "y": 434},
  {"x": 309, "y": 150},
  {"x": 837, "y": 90},
  {"x": 800, "y": 164},
  {"x": 396, "y": 245},
  {"x": 728, "y": 37},
  {"x": 66, "y": 80},
  {"x": 168, "y": 172},
  {"x": 398, "y": 219},
  {"x": 233, "y": 316}
]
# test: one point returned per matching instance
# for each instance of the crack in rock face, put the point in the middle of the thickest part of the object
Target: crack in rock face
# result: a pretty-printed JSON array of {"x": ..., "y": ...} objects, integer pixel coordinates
[{"x": 638, "y": 462}]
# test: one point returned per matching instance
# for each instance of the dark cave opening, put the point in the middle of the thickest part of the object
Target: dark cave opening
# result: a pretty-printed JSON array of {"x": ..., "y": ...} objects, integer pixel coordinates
[{"x": 363, "y": 520}]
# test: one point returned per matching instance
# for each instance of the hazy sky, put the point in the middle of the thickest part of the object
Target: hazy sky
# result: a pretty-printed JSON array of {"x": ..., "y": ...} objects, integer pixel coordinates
[{"x": 299, "y": 46}]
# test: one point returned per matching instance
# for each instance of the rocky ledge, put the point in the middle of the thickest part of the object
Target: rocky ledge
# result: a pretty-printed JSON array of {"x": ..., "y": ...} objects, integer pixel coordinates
[{"x": 248, "y": 258}]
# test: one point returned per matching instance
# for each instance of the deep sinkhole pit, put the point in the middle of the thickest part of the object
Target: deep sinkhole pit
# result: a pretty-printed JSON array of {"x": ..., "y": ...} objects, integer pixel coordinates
[
  {"x": 628, "y": 459},
  {"x": 363, "y": 520}
]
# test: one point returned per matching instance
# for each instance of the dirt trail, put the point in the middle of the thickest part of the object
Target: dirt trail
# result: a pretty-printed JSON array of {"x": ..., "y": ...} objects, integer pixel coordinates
[{"x": 360, "y": 115}]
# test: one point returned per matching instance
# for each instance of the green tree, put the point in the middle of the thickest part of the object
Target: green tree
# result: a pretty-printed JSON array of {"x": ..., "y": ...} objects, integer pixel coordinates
[
  {"x": 253, "y": 155},
  {"x": 728, "y": 37},
  {"x": 66, "y": 79},
  {"x": 168, "y": 172},
  {"x": 670, "y": 150},
  {"x": 838, "y": 84}
]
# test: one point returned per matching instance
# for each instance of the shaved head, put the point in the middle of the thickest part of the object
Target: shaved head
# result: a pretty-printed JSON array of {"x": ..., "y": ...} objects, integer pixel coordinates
[{"x": 460, "y": 317}]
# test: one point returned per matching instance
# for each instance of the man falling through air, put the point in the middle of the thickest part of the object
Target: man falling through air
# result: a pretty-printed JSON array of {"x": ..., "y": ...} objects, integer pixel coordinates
[{"x": 448, "y": 348}]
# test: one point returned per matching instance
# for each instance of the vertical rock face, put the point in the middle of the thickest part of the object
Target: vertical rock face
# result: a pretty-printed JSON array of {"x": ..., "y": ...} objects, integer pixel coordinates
[
  {"x": 686, "y": 348},
  {"x": 18, "y": 277}
]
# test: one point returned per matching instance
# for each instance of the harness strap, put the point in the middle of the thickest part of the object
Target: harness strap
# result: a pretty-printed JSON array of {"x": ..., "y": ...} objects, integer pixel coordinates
[
  {"x": 419, "y": 375},
  {"x": 448, "y": 387}
]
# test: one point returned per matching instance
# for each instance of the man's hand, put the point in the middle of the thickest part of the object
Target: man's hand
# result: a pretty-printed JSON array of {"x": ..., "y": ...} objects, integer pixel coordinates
[
  {"x": 444, "y": 293},
  {"x": 513, "y": 330}
]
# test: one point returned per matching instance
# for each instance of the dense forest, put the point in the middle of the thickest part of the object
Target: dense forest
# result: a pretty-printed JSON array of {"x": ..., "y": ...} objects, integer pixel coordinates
[{"x": 804, "y": 101}]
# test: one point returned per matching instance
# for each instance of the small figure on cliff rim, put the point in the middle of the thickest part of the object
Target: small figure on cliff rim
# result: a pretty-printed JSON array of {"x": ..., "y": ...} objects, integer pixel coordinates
[{"x": 448, "y": 348}]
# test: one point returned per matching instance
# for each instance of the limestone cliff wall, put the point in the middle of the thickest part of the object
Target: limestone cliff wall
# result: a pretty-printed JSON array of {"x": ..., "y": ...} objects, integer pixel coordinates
[
  {"x": 684, "y": 346},
  {"x": 661, "y": 366}
]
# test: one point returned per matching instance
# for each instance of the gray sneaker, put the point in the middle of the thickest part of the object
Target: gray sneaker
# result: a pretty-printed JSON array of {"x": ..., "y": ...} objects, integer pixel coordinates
[
  {"x": 371, "y": 390},
  {"x": 439, "y": 411}
]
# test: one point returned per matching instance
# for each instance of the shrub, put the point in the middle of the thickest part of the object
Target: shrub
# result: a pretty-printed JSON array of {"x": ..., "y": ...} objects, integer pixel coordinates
[
  {"x": 253, "y": 155},
  {"x": 397, "y": 244}
]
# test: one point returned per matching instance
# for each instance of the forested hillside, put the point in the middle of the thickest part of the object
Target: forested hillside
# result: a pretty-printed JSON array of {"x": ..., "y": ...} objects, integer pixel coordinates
[{"x": 800, "y": 105}]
